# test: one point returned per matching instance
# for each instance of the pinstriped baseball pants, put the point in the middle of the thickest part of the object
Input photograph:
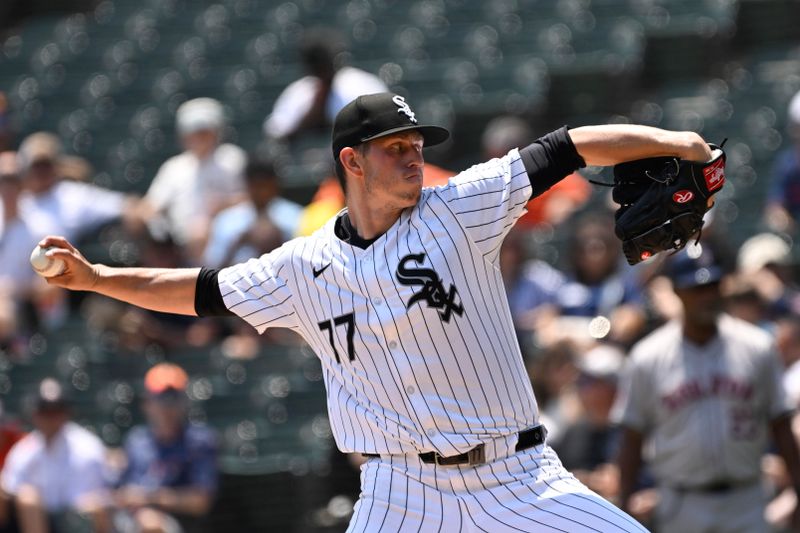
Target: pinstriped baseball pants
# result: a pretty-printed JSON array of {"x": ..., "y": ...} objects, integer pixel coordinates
[{"x": 528, "y": 491}]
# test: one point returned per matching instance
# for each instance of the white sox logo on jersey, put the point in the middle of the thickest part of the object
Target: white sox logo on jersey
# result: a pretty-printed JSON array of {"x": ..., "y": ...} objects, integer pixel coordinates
[
  {"x": 433, "y": 291},
  {"x": 404, "y": 108}
]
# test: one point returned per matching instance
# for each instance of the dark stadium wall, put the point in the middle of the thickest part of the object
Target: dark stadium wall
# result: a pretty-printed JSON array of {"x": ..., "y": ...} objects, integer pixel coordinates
[{"x": 12, "y": 12}]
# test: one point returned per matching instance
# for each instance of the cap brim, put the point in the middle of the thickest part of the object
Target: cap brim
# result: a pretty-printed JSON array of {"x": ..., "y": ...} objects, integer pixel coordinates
[
  {"x": 50, "y": 405},
  {"x": 168, "y": 395},
  {"x": 698, "y": 278},
  {"x": 433, "y": 135}
]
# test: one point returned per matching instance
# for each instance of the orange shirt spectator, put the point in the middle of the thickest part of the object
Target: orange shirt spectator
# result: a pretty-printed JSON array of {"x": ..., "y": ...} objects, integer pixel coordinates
[
  {"x": 329, "y": 198},
  {"x": 557, "y": 204}
]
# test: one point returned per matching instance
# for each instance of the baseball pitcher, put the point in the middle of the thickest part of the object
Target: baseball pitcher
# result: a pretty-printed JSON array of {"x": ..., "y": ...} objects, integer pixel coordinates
[{"x": 400, "y": 296}]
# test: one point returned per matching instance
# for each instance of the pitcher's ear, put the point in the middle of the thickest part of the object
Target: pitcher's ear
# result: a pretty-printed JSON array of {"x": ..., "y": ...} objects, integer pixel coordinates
[{"x": 350, "y": 160}]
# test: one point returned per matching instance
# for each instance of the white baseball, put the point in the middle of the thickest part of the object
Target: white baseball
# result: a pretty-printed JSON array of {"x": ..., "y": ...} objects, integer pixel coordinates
[
  {"x": 599, "y": 327},
  {"x": 46, "y": 267}
]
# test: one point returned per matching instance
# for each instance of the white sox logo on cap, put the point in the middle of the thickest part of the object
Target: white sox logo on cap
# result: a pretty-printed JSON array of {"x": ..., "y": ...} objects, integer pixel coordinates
[
  {"x": 374, "y": 115},
  {"x": 404, "y": 108}
]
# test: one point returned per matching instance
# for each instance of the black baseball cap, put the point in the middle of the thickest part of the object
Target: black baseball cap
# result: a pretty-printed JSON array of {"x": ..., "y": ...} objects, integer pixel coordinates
[
  {"x": 694, "y": 266},
  {"x": 375, "y": 115}
]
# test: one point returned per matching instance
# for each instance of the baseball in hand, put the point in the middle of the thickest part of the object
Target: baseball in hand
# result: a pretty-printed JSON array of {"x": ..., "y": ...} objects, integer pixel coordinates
[{"x": 46, "y": 267}]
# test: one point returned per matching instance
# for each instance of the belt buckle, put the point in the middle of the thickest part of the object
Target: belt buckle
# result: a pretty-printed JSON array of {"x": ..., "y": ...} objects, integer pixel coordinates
[{"x": 477, "y": 455}]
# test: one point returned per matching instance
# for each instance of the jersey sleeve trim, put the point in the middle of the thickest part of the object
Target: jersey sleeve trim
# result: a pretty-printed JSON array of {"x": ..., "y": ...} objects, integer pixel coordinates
[
  {"x": 550, "y": 159},
  {"x": 207, "y": 295}
]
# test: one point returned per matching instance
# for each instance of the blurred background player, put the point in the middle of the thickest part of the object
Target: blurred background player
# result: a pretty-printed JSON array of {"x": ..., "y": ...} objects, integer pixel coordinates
[{"x": 705, "y": 393}]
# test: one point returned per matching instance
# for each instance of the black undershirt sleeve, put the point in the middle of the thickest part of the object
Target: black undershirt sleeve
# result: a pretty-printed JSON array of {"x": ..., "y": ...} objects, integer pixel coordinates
[
  {"x": 207, "y": 296},
  {"x": 550, "y": 159}
]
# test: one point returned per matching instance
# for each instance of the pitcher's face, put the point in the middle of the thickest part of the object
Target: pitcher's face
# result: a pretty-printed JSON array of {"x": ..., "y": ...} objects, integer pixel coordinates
[{"x": 393, "y": 168}]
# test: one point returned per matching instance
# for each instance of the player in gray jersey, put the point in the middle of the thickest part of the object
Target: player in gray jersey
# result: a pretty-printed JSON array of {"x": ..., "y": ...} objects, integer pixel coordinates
[
  {"x": 706, "y": 394},
  {"x": 400, "y": 295}
]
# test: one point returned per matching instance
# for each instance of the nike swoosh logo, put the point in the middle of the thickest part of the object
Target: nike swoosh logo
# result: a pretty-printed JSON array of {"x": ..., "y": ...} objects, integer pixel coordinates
[{"x": 320, "y": 271}]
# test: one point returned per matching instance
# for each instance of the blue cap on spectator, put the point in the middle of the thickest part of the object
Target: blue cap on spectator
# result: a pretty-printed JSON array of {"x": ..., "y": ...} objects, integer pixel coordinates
[{"x": 693, "y": 266}]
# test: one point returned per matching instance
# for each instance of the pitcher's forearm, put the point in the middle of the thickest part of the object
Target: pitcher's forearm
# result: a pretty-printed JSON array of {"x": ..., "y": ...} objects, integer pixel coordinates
[
  {"x": 169, "y": 290},
  {"x": 616, "y": 143}
]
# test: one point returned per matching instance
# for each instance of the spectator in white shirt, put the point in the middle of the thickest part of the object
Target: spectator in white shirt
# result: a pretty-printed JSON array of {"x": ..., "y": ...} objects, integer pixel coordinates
[
  {"x": 312, "y": 101},
  {"x": 192, "y": 187},
  {"x": 256, "y": 226},
  {"x": 18, "y": 233},
  {"x": 58, "y": 206},
  {"x": 56, "y": 469},
  {"x": 18, "y": 236}
]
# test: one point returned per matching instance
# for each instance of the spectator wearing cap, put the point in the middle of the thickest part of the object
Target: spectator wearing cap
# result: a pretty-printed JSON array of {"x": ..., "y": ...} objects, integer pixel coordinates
[
  {"x": 256, "y": 226},
  {"x": 59, "y": 206},
  {"x": 311, "y": 102},
  {"x": 783, "y": 196},
  {"x": 705, "y": 393},
  {"x": 192, "y": 187},
  {"x": 171, "y": 475},
  {"x": 56, "y": 470},
  {"x": 587, "y": 447},
  {"x": 765, "y": 263}
]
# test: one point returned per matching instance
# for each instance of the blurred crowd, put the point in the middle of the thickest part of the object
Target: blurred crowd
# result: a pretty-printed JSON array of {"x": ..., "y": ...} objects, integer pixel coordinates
[
  {"x": 578, "y": 315},
  {"x": 60, "y": 477}
]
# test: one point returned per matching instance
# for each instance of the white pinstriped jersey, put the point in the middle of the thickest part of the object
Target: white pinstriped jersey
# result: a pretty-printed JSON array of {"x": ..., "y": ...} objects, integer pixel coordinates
[{"x": 414, "y": 332}]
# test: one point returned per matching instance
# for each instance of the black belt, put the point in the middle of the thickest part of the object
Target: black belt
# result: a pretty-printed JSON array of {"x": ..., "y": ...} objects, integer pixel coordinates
[
  {"x": 528, "y": 438},
  {"x": 717, "y": 487}
]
